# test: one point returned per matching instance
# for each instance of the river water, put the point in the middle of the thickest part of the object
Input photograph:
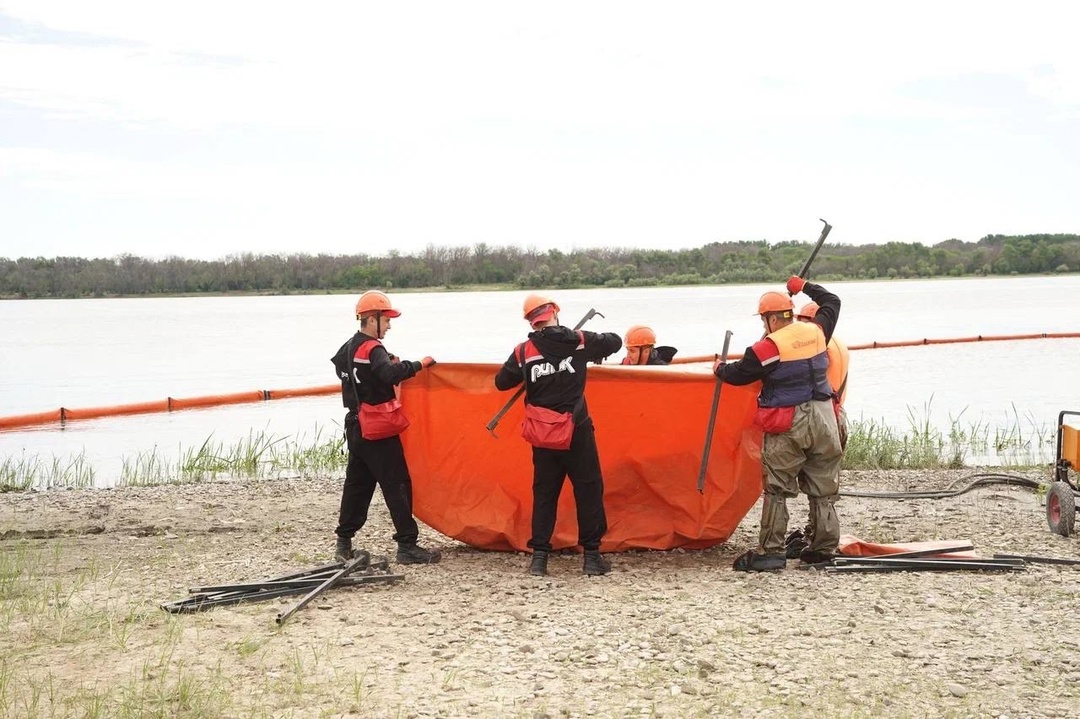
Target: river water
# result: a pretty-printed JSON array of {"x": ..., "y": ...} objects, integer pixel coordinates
[{"x": 85, "y": 353}]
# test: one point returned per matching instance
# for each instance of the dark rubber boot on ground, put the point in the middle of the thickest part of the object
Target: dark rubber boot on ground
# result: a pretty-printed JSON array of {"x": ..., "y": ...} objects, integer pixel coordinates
[
  {"x": 344, "y": 551},
  {"x": 811, "y": 556},
  {"x": 795, "y": 544},
  {"x": 754, "y": 562},
  {"x": 595, "y": 564},
  {"x": 415, "y": 554},
  {"x": 538, "y": 566}
]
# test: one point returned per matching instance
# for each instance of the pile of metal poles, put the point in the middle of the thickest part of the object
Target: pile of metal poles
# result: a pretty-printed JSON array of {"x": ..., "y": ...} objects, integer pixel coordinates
[
  {"x": 931, "y": 560},
  {"x": 309, "y": 582},
  {"x": 870, "y": 565}
]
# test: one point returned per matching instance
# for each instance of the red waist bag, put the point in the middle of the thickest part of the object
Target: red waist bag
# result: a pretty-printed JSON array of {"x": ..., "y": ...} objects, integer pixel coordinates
[
  {"x": 379, "y": 421},
  {"x": 546, "y": 428},
  {"x": 774, "y": 420}
]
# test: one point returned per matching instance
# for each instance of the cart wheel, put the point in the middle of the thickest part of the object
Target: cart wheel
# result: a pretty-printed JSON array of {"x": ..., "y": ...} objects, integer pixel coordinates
[{"x": 1060, "y": 508}]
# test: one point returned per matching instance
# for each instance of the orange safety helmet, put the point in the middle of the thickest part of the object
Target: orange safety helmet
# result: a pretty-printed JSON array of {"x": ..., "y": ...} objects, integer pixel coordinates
[
  {"x": 807, "y": 311},
  {"x": 640, "y": 336},
  {"x": 775, "y": 302},
  {"x": 538, "y": 308},
  {"x": 375, "y": 301}
]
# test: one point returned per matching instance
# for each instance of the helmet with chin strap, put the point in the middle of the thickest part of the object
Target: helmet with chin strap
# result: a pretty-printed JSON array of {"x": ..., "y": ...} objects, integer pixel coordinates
[
  {"x": 775, "y": 303},
  {"x": 375, "y": 302}
]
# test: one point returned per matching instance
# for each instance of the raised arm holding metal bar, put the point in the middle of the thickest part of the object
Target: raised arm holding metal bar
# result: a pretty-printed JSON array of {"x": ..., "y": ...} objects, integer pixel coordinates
[{"x": 821, "y": 241}]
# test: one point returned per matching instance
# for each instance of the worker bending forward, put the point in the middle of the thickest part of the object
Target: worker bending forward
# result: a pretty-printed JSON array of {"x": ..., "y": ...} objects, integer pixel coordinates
[{"x": 553, "y": 364}]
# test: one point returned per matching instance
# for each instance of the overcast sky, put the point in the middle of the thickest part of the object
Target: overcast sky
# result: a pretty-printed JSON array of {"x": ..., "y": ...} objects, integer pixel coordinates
[{"x": 211, "y": 128}]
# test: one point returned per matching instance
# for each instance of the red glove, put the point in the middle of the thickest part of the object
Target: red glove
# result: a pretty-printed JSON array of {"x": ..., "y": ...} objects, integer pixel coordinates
[
  {"x": 795, "y": 285},
  {"x": 717, "y": 365},
  {"x": 427, "y": 362}
]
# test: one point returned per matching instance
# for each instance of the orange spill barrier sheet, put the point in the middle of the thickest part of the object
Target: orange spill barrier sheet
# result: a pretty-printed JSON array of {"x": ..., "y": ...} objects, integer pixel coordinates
[
  {"x": 650, "y": 429},
  {"x": 852, "y": 546}
]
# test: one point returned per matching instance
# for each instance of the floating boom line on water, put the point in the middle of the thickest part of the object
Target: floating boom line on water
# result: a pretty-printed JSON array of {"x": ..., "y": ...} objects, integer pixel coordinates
[
  {"x": 172, "y": 404},
  {"x": 169, "y": 404},
  {"x": 692, "y": 359}
]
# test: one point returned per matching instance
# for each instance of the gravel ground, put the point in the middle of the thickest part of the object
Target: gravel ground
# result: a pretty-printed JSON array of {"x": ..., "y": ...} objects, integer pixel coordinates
[{"x": 669, "y": 634}]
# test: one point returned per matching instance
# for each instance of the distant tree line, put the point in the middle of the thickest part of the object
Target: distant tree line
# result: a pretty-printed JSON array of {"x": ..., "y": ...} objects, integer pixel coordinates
[{"x": 482, "y": 264}]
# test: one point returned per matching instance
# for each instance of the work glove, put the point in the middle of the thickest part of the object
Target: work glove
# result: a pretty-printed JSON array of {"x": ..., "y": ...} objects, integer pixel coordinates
[
  {"x": 393, "y": 358},
  {"x": 795, "y": 285},
  {"x": 717, "y": 365}
]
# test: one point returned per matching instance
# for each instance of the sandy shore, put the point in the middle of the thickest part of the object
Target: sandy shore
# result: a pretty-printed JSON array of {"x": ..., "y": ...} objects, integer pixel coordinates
[{"x": 671, "y": 634}]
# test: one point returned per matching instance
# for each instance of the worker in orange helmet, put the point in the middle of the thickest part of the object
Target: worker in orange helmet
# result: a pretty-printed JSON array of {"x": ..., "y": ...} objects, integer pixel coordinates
[
  {"x": 369, "y": 377},
  {"x": 801, "y": 539},
  {"x": 640, "y": 343},
  {"x": 553, "y": 364},
  {"x": 795, "y": 411},
  {"x": 838, "y": 356}
]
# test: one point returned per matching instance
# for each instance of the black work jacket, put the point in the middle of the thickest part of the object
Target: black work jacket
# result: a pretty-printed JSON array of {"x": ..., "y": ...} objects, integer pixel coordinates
[
  {"x": 554, "y": 368},
  {"x": 371, "y": 376}
]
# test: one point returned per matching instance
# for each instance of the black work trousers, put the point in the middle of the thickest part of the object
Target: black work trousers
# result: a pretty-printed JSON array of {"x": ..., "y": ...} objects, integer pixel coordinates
[
  {"x": 372, "y": 462},
  {"x": 550, "y": 468}
]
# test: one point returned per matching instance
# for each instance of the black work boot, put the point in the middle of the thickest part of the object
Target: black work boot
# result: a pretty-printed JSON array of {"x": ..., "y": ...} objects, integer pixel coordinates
[
  {"x": 816, "y": 556},
  {"x": 344, "y": 551},
  {"x": 415, "y": 554},
  {"x": 753, "y": 562},
  {"x": 595, "y": 564},
  {"x": 538, "y": 566},
  {"x": 795, "y": 544}
]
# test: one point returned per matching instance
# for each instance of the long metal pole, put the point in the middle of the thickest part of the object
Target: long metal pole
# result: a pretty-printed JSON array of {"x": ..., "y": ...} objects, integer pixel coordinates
[
  {"x": 821, "y": 241},
  {"x": 337, "y": 576},
  {"x": 727, "y": 339},
  {"x": 712, "y": 419}
]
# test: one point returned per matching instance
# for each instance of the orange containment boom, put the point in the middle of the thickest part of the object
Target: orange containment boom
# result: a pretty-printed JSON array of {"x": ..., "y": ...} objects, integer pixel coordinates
[
  {"x": 170, "y": 404},
  {"x": 692, "y": 359},
  {"x": 29, "y": 420},
  {"x": 650, "y": 427},
  {"x": 958, "y": 340}
]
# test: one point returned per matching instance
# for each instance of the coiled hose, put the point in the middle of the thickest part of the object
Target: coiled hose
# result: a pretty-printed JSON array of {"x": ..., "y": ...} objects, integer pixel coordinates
[{"x": 981, "y": 479}]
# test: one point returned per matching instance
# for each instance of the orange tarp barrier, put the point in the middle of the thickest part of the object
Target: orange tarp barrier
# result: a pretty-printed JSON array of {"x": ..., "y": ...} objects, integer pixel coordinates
[
  {"x": 852, "y": 546},
  {"x": 650, "y": 430}
]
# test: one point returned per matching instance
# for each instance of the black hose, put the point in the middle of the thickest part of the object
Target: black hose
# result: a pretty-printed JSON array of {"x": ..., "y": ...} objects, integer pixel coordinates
[{"x": 982, "y": 479}]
